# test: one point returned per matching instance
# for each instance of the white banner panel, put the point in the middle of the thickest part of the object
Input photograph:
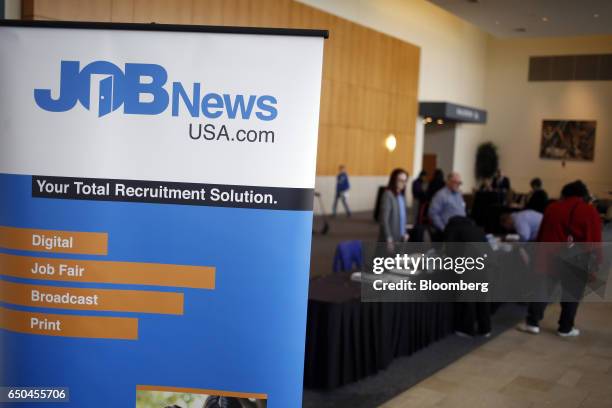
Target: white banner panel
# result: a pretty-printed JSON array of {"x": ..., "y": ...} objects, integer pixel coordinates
[{"x": 236, "y": 75}]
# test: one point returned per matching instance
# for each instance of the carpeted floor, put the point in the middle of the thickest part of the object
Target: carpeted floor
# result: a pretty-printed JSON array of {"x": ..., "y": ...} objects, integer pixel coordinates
[{"x": 341, "y": 228}]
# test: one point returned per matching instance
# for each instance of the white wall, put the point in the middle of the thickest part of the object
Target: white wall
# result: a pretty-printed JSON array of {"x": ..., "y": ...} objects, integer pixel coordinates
[
  {"x": 362, "y": 195},
  {"x": 12, "y": 9},
  {"x": 453, "y": 51},
  {"x": 517, "y": 107},
  {"x": 453, "y": 63}
]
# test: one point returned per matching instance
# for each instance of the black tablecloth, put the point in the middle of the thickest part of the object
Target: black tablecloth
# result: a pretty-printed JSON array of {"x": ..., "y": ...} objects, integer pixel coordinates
[{"x": 347, "y": 340}]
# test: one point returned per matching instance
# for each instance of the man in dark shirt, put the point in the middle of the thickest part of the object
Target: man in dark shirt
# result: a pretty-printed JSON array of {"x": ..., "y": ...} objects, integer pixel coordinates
[
  {"x": 501, "y": 185},
  {"x": 419, "y": 195},
  {"x": 435, "y": 184},
  {"x": 464, "y": 235},
  {"x": 538, "y": 199},
  {"x": 571, "y": 219}
]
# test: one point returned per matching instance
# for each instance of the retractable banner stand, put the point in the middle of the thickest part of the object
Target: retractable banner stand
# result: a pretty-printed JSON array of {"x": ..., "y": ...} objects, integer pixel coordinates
[{"x": 156, "y": 191}]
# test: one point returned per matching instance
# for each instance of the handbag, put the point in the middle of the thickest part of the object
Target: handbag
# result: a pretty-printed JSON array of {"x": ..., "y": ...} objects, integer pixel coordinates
[{"x": 579, "y": 257}]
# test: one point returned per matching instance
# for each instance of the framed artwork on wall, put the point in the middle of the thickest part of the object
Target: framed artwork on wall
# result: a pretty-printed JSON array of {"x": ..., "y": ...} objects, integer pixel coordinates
[{"x": 568, "y": 140}]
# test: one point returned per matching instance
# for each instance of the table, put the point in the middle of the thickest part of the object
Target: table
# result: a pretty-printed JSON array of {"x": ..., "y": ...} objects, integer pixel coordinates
[{"x": 347, "y": 340}]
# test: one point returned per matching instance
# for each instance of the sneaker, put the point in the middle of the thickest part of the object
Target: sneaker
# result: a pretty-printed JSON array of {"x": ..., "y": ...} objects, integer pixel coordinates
[
  {"x": 463, "y": 334},
  {"x": 572, "y": 333},
  {"x": 527, "y": 328}
]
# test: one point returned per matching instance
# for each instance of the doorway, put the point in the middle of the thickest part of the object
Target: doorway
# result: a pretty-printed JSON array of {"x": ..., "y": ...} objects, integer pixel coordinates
[
  {"x": 439, "y": 147},
  {"x": 430, "y": 163}
]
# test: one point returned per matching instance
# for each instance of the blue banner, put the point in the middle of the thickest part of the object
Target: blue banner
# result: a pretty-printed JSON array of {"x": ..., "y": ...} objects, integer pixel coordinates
[{"x": 140, "y": 267}]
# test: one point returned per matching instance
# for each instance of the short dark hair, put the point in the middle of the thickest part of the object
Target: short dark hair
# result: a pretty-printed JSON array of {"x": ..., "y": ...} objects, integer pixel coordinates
[
  {"x": 575, "y": 189},
  {"x": 505, "y": 216},
  {"x": 536, "y": 183},
  {"x": 438, "y": 175}
]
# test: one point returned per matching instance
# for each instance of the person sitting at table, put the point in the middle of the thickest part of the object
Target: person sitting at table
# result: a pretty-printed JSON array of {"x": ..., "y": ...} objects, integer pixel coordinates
[
  {"x": 393, "y": 209},
  {"x": 537, "y": 199},
  {"x": 447, "y": 203},
  {"x": 526, "y": 223}
]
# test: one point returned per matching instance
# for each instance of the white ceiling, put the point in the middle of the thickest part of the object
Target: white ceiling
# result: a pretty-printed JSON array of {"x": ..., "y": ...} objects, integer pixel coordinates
[{"x": 539, "y": 18}]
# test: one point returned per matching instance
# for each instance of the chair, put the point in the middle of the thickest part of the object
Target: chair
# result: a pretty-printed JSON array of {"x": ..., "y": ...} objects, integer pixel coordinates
[{"x": 349, "y": 254}]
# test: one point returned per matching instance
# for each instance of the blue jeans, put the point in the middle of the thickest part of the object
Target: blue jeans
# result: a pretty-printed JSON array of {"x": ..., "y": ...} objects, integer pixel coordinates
[{"x": 341, "y": 196}]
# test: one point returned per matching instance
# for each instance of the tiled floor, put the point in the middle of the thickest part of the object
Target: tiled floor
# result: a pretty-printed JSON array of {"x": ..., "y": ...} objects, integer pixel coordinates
[{"x": 521, "y": 370}]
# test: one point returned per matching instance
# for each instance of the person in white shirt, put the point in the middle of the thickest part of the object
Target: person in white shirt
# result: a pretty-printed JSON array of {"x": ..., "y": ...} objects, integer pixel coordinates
[{"x": 526, "y": 223}]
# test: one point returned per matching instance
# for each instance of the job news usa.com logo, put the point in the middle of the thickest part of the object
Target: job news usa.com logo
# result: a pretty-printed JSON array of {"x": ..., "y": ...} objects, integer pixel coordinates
[{"x": 141, "y": 90}]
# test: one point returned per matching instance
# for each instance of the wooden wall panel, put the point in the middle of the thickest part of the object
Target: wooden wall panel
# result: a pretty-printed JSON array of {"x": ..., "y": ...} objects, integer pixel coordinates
[
  {"x": 208, "y": 13},
  {"x": 370, "y": 79},
  {"x": 71, "y": 10},
  {"x": 270, "y": 13},
  {"x": 122, "y": 11},
  {"x": 163, "y": 11}
]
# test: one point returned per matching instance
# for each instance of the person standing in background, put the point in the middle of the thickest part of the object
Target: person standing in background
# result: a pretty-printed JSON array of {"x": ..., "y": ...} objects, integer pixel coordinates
[
  {"x": 342, "y": 188},
  {"x": 501, "y": 184},
  {"x": 436, "y": 183},
  {"x": 537, "y": 199},
  {"x": 419, "y": 195},
  {"x": 393, "y": 210},
  {"x": 572, "y": 219},
  {"x": 468, "y": 315},
  {"x": 447, "y": 203}
]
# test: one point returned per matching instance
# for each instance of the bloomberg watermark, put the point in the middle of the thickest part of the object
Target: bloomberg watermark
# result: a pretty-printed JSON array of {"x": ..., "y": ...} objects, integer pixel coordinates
[{"x": 485, "y": 271}]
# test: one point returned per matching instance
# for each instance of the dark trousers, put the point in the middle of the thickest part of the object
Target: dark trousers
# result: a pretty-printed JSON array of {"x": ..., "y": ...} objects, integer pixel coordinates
[
  {"x": 341, "y": 196},
  {"x": 535, "y": 313},
  {"x": 416, "y": 211},
  {"x": 436, "y": 235},
  {"x": 469, "y": 314},
  {"x": 573, "y": 282}
]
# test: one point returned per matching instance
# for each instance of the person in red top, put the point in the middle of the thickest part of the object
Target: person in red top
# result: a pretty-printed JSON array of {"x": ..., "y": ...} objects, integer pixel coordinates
[{"x": 571, "y": 219}]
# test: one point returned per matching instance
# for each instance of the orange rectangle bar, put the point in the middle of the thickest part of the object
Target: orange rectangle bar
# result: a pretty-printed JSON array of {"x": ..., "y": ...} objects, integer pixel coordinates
[
  {"x": 91, "y": 299},
  {"x": 70, "y": 242},
  {"x": 69, "y": 325},
  {"x": 236, "y": 394},
  {"x": 69, "y": 270}
]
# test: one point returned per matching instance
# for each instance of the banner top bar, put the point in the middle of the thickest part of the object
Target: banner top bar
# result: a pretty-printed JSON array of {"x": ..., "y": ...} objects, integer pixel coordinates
[{"x": 301, "y": 32}]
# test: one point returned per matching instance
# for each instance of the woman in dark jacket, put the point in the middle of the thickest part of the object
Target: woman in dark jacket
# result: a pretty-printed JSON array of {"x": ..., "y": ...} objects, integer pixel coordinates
[{"x": 437, "y": 182}]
